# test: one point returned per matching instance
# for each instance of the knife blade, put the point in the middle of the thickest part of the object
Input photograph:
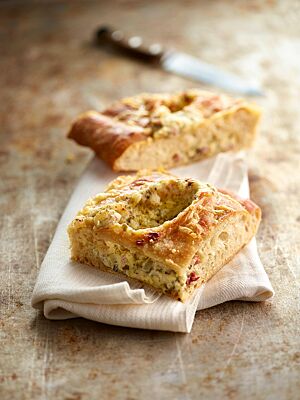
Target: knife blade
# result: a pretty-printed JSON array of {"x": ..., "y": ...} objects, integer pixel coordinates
[
  {"x": 194, "y": 69},
  {"x": 176, "y": 62}
]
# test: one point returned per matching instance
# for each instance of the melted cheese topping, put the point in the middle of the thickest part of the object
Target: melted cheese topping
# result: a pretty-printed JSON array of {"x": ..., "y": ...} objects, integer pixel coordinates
[
  {"x": 163, "y": 114},
  {"x": 143, "y": 203}
]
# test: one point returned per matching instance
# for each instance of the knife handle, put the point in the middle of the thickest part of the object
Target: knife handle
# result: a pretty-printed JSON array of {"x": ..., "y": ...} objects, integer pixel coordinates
[{"x": 132, "y": 46}]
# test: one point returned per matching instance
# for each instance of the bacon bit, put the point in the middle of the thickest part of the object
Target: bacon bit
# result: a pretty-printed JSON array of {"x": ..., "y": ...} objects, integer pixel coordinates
[
  {"x": 197, "y": 259},
  {"x": 153, "y": 236},
  {"x": 139, "y": 182},
  {"x": 202, "y": 150},
  {"x": 149, "y": 237},
  {"x": 176, "y": 157},
  {"x": 192, "y": 278}
]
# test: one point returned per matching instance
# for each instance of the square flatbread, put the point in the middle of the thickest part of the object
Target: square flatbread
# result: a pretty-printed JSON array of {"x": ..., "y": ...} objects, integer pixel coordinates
[
  {"x": 166, "y": 130},
  {"x": 167, "y": 232}
]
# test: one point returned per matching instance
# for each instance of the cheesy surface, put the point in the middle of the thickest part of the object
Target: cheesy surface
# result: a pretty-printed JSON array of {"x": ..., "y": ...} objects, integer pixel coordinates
[
  {"x": 163, "y": 114},
  {"x": 168, "y": 232},
  {"x": 143, "y": 204}
]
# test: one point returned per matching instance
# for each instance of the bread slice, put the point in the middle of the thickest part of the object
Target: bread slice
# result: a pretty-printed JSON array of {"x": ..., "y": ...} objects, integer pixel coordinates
[
  {"x": 166, "y": 130},
  {"x": 170, "y": 233}
]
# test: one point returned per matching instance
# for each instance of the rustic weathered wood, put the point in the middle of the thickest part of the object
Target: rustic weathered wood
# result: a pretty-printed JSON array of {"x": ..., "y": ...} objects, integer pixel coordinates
[{"x": 49, "y": 73}]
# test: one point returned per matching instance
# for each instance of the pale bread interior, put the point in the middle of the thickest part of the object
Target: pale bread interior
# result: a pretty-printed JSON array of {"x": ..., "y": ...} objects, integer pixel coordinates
[
  {"x": 220, "y": 245},
  {"x": 227, "y": 131}
]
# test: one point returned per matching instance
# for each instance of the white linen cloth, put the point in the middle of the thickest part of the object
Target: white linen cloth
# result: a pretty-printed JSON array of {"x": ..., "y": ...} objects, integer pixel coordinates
[{"x": 65, "y": 289}]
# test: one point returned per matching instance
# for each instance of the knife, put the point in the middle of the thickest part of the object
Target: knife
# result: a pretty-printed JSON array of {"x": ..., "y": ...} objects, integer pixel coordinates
[{"x": 175, "y": 62}]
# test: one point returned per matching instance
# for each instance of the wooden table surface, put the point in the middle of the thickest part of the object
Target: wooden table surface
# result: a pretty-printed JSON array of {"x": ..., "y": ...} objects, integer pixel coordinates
[{"x": 49, "y": 73}]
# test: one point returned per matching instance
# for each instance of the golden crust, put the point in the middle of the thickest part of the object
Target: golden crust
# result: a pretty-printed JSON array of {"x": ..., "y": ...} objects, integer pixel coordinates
[
  {"x": 108, "y": 138},
  {"x": 178, "y": 229},
  {"x": 122, "y": 134}
]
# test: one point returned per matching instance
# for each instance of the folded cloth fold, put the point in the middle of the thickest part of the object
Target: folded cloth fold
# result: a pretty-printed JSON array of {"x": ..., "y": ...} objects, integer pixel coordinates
[{"x": 65, "y": 289}]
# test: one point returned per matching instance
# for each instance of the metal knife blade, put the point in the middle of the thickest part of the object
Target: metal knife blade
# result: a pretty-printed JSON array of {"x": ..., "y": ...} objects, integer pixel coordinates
[
  {"x": 176, "y": 62},
  {"x": 192, "y": 68}
]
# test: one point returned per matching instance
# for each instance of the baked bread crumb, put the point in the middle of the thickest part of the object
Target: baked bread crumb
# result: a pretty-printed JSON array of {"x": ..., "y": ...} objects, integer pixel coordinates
[
  {"x": 171, "y": 233},
  {"x": 167, "y": 130}
]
